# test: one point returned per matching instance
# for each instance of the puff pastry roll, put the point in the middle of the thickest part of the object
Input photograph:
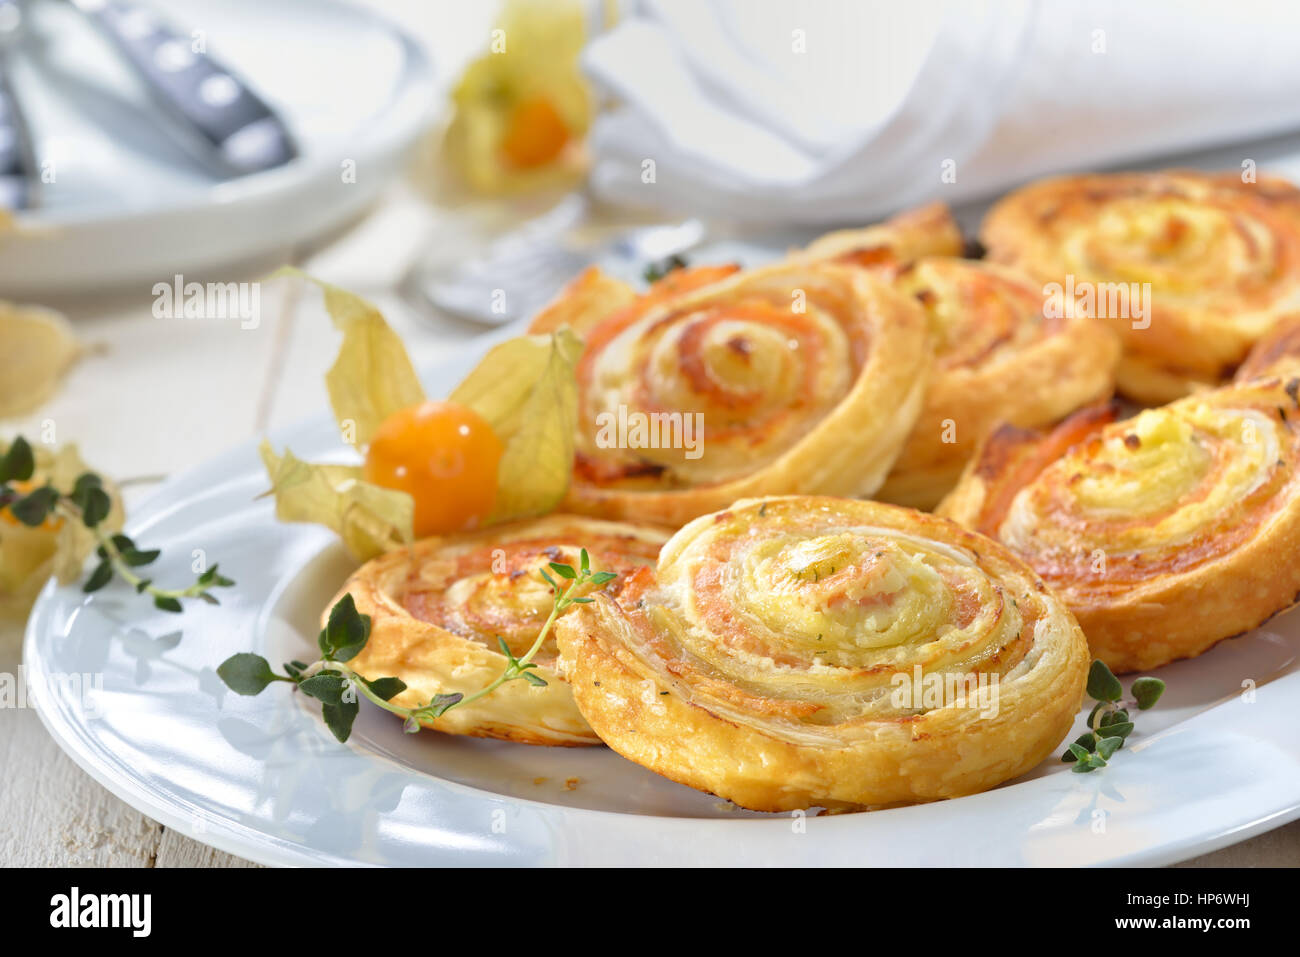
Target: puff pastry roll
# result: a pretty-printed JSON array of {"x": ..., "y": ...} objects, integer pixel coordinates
[
  {"x": 595, "y": 296},
  {"x": 805, "y": 651},
  {"x": 1164, "y": 533},
  {"x": 1277, "y": 354},
  {"x": 1222, "y": 258},
  {"x": 1002, "y": 354},
  {"x": 925, "y": 231},
  {"x": 438, "y": 606},
  {"x": 797, "y": 377}
]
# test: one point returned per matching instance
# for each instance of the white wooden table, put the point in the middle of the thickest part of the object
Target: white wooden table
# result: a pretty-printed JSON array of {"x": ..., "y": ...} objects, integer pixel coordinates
[{"x": 161, "y": 395}]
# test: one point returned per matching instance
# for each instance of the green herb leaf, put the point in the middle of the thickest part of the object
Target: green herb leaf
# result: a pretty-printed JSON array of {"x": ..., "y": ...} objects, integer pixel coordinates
[
  {"x": 34, "y": 507},
  {"x": 246, "y": 673},
  {"x": 137, "y": 559},
  {"x": 100, "y": 577},
  {"x": 1147, "y": 691},
  {"x": 167, "y": 603},
  {"x": 386, "y": 688},
  {"x": 325, "y": 686},
  {"x": 339, "y": 717},
  {"x": 96, "y": 507},
  {"x": 1120, "y": 729},
  {"x": 346, "y": 632},
  {"x": 1074, "y": 753},
  {"x": 1108, "y": 746},
  {"x": 534, "y": 679},
  {"x": 510, "y": 655},
  {"x": 564, "y": 571},
  {"x": 1102, "y": 684},
  {"x": 18, "y": 462},
  {"x": 439, "y": 704}
]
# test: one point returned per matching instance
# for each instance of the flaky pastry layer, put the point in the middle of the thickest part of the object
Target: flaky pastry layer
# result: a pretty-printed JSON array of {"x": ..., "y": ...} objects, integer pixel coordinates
[
  {"x": 1165, "y": 533},
  {"x": 790, "y": 378},
  {"x": 1004, "y": 352},
  {"x": 438, "y": 606},
  {"x": 1221, "y": 257},
  {"x": 785, "y": 653}
]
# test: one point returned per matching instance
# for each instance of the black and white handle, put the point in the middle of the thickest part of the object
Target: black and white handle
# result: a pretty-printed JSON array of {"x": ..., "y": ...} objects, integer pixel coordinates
[
  {"x": 18, "y": 177},
  {"x": 222, "y": 120}
]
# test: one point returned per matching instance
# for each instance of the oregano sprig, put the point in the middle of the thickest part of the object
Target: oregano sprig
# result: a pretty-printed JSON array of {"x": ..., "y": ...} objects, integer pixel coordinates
[
  {"x": 1109, "y": 722},
  {"x": 89, "y": 504},
  {"x": 339, "y": 687}
]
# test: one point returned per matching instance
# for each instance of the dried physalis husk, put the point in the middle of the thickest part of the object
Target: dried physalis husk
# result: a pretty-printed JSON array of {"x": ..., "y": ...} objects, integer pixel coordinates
[
  {"x": 36, "y": 347},
  {"x": 524, "y": 388},
  {"x": 527, "y": 391},
  {"x": 520, "y": 111},
  {"x": 29, "y": 556}
]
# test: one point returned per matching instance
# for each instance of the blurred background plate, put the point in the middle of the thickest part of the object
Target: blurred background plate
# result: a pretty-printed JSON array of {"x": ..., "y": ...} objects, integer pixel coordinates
[{"x": 128, "y": 205}]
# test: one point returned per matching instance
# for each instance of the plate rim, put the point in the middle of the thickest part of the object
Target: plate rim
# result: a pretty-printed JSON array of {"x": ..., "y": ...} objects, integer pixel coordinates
[{"x": 244, "y": 840}]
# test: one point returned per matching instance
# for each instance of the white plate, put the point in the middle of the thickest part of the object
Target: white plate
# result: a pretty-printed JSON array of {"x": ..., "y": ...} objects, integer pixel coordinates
[
  {"x": 262, "y": 778},
  {"x": 128, "y": 205}
]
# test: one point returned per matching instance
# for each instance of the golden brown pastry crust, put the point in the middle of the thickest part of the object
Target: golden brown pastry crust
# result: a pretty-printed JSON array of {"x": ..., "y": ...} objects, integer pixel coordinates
[
  {"x": 766, "y": 658},
  {"x": 436, "y": 608},
  {"x": 927, "y": 230},
  {"x": 804, "y": 377},
  {"x": 595, "y": 296},
  {"x": 1164, "y": 533},
  {"x": 1001, "y": 355},
  {"x": 586, "y": 300},
  {"x": 1277, "y": 354},
  {"x": 1222, "y": 258}
]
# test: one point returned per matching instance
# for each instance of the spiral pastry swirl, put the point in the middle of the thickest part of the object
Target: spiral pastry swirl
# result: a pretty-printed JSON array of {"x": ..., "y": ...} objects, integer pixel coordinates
[
  {"x": 798, "y": 377},
  {"x": 1164, "y": 533},
  {"x": 804, "y": 651},
  {"x": 1003, "y": 353},
  {"x": 1222, "y": 258},
  {"x": 1277, "y": 354},
  {"x": 437, "y": 608},
  {"x": 925, "y": 231}
]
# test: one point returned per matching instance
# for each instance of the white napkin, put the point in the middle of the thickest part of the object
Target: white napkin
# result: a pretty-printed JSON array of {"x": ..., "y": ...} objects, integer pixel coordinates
[{"x": 827, "y": 112}]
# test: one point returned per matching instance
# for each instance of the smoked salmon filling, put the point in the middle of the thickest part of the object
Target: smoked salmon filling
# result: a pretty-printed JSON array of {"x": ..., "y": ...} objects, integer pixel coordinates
[
  {"x": 1190, "y": 269},
  {"x": 439, "y": 608},
  {"x": 1164, "y": 533},
  {"x": 797, "y": 377},
  {"x": 793, "y": 652}
]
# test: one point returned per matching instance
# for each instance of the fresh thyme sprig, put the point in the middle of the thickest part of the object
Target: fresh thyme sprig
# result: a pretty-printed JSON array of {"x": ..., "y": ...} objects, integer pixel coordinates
[
  {"x": 89, "y": 504},
  {"x": 337, "y": 685},
  {"x": 657, "y": 270},
  {"x": 1108, "y": 722}
]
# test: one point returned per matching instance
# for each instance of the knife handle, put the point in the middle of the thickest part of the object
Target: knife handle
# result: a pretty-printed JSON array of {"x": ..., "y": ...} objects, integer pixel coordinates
[
  {"x": 224, "y": 121},
  {"x": 17, "y": 165}
]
